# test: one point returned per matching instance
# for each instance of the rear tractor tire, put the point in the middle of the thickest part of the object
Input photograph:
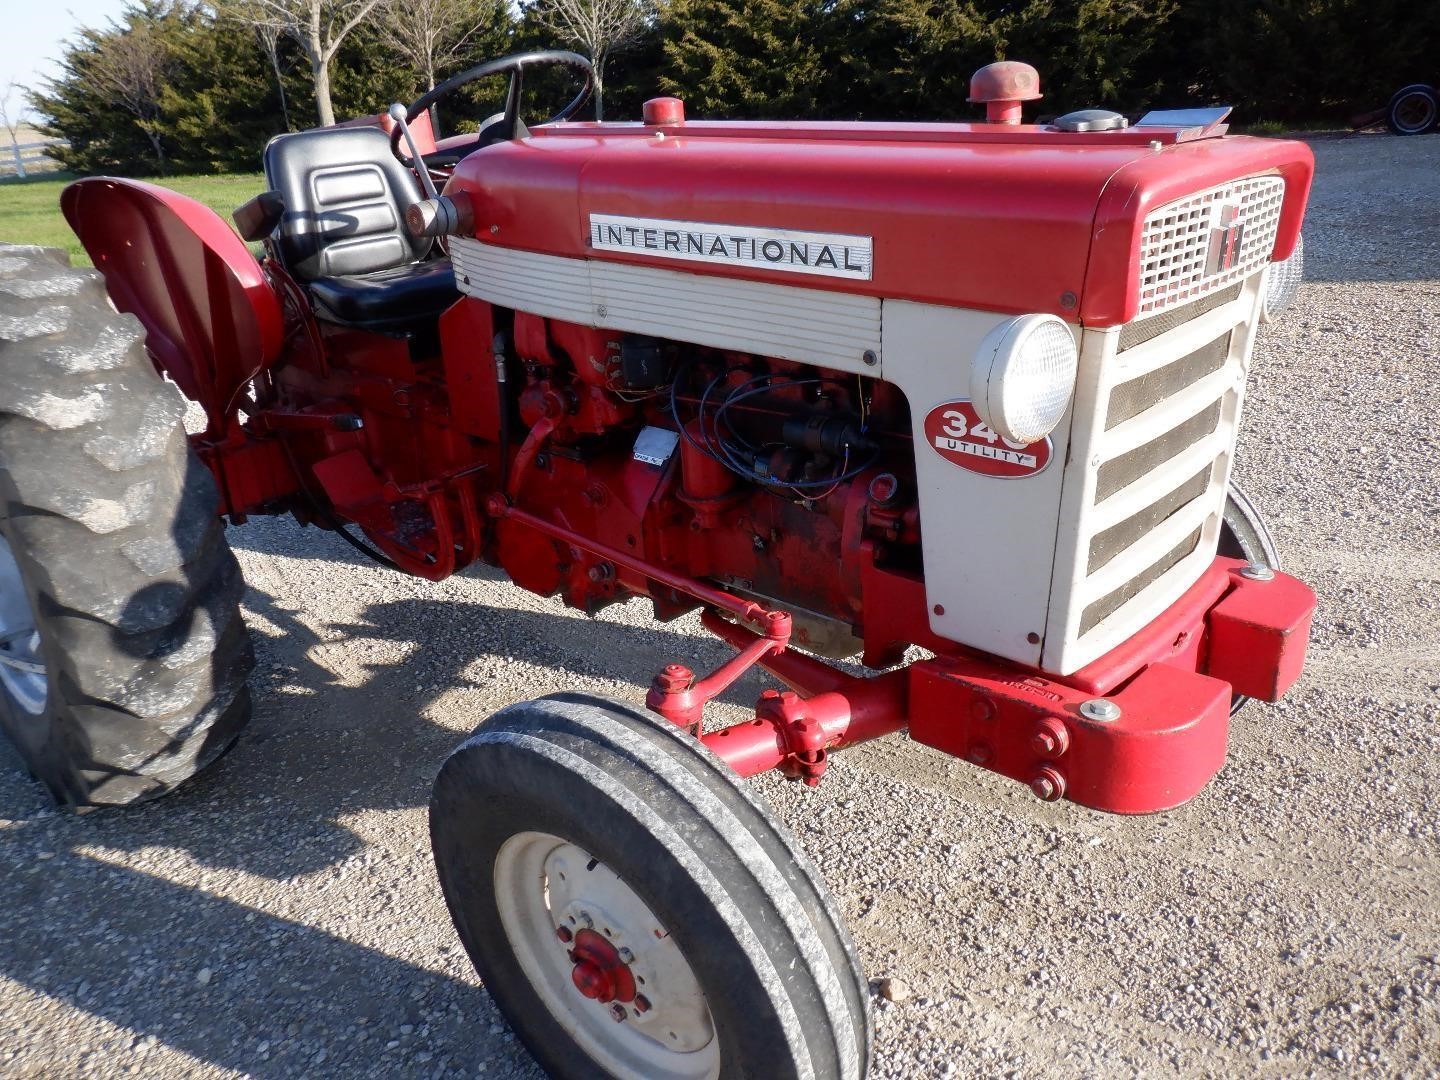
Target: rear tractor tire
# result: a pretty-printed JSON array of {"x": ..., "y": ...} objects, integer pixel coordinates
[
  {"x": 123, "y": 656},
  {"x": 633, "y": 910}
]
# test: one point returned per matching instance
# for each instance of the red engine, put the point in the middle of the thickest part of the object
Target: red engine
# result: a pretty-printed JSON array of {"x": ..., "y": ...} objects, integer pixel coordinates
[{"x": 774, "y": 481}]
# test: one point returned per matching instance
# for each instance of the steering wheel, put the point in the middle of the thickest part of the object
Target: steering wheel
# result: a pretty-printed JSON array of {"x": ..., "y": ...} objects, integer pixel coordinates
[{"x": 509, "y": 122}]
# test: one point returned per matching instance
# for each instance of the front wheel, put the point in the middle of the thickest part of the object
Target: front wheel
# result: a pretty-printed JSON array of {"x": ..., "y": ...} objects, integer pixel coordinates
[
  {"x": 1244, "y": 534},
  {"x": 633, "y": 910}
]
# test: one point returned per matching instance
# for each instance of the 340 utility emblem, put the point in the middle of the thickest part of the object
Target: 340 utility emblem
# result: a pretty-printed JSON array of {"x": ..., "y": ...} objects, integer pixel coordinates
[{"x": 958, "y": 435}]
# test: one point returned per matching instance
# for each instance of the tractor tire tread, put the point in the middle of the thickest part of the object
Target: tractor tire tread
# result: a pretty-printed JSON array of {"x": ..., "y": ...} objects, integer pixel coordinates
[
  {"x": 782, "y": 920},
  {"x": 114, "y": 523}
]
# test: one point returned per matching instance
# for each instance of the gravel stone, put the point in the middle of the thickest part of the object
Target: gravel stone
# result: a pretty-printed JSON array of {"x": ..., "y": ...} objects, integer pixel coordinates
[
  {"x": 1286, "y": 921},
  {"x": 896, "y": 990}
]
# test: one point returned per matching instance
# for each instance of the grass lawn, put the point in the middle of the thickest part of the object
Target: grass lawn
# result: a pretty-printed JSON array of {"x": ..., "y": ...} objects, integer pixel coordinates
[{"x": 30, "y": 209}]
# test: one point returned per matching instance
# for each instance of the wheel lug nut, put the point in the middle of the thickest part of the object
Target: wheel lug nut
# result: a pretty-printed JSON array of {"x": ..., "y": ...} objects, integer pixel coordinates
[
  {"x": 642, "y": 1003},
  {"x": 626, "y": 956},
  {"x": 564, "y": 934},
  {"x": 618, "y": 1012}
]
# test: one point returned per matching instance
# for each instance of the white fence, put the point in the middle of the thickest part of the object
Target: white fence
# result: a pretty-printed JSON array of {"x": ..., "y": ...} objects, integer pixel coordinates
[{"x": 23, "y": 159}]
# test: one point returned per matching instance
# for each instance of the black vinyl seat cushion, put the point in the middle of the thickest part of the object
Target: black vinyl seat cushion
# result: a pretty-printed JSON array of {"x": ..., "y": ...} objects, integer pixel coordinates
[
  {"x": 387, "y": 297},
  {"x": 343, "y": 234}
]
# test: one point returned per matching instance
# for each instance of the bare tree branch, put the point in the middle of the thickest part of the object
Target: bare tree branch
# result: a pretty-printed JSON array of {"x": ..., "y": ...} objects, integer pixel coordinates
[
  {"x": 601, "y": 28},
  {"x": 432, "y": 34},
  {"x": 129, "y": 67},
  {"x": 270, "y": 42},
  {"x": 319, "y": 27}
]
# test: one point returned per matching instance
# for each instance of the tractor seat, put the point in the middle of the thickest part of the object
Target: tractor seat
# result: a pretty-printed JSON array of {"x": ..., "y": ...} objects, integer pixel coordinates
[
  {"x": 403, "y": 293},
  {"x": 342, "y": 231}
]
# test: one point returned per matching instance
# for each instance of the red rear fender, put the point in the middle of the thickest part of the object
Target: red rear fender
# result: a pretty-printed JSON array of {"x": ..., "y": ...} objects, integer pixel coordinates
[{"x": 212, "y": 319}]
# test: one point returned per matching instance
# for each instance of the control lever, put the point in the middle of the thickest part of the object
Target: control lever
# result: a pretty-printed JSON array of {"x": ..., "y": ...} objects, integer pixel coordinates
[{"x": 397, "y": 113}]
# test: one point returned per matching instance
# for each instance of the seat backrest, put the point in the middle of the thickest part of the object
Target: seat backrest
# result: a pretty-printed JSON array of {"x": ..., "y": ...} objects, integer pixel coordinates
[{"x": 345, "y": 199}]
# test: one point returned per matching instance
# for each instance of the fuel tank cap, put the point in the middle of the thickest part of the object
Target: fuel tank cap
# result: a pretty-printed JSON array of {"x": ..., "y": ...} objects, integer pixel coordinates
[{"x": 1091, "y": 120}]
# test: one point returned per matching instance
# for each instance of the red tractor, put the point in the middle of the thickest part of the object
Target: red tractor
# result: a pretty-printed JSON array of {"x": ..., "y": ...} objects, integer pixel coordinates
[{"x": 956, "y": 401}]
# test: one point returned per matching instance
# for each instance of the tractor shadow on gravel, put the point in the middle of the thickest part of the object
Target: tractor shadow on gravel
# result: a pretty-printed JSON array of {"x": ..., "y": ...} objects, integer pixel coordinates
[
  {"x": 218, "y": 980},
  {"x": 144, "y": 918}
]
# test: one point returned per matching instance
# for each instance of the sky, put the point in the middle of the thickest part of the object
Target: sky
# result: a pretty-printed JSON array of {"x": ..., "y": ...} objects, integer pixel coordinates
[{"x": 35, "y": 30}]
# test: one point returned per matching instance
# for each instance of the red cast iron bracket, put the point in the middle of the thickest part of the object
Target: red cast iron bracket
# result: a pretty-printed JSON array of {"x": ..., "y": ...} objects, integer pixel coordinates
[
  {"x": 1153, "y": 741},
  {"x": 676, "y": 695}
]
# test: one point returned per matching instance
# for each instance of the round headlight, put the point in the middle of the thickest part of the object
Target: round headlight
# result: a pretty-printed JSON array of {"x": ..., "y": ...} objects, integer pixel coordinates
[
  {"x": 1283, "y": 282},
  {"x": 1023, "y": 376}
]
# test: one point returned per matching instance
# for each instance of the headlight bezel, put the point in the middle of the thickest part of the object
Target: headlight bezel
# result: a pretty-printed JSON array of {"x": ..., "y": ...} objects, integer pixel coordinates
[{"x": 1011, "y": 353}]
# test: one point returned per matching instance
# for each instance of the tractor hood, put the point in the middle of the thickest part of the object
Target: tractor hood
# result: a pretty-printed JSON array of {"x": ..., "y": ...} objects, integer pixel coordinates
[{"x": 1003, "y": 218}]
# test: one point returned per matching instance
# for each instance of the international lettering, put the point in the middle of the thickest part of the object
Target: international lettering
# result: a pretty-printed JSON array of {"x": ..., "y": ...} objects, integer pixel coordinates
[{"x": 787, "y": 250}]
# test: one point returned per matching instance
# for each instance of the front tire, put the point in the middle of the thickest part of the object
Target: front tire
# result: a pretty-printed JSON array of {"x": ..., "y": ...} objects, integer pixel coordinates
[
  {"x": 1244, "y": 534},
  {"x": 592, "y": 855},
  {"x": 123, "y": 656}
]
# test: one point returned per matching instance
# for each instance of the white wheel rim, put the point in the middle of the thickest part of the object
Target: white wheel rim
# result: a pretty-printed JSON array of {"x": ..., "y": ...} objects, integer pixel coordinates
[
  {"x": 546, "y": 887},
  {"x": 22, "y": 667}
]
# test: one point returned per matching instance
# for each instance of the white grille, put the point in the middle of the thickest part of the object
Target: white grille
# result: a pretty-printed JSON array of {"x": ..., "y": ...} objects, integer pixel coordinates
[
  {"x": 1178, "y": 244},
  {"x": 1148, "y": 463}
]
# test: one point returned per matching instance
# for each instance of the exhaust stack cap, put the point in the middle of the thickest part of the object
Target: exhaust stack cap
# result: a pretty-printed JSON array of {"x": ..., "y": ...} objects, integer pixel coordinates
[
  {"x": 663, "y": 111},
  {"x": 1001, "y": 87}
]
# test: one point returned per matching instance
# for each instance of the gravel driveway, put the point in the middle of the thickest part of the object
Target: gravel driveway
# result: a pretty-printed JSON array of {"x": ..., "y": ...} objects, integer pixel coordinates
[{"x": 280, "y": 917}]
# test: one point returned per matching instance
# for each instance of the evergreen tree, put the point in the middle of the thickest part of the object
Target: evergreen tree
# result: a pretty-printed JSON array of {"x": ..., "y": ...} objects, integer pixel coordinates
[
  {"x": 748, "y": 58},
  {"x": 213, "y": 105},
  {"x": 221, "y": 103},
  {"x": 108, "y": 125},
  {"x": 1090, "y": 53},
  {"x": 1307, "y": 59},
  {"x": 909, "y": 59}
]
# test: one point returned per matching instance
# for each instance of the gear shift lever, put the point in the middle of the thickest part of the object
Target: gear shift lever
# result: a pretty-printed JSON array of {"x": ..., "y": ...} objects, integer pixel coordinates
[{"x": 397, "y": 113}]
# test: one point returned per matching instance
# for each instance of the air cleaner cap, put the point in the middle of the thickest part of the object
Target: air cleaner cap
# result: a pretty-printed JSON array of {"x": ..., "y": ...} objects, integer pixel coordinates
[{"x": 1001, "y": 87}]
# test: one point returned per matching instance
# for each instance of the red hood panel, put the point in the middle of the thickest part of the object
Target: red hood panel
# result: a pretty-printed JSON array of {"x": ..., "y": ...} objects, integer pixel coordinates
[{"x": 959, "y": 215}]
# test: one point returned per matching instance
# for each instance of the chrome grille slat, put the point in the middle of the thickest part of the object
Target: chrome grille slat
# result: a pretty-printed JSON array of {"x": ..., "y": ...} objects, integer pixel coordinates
[
  {"x": 1105, "y": 545},
  {"x": 1163, "y": 478},
  {"x": 1142, "y": 330},
  {"x": 1145, "y": 551},
  {"x": 1126, "y": 469},
  {"x": 1132, "y": 398},
  {"x": 1099, "y": 610}
]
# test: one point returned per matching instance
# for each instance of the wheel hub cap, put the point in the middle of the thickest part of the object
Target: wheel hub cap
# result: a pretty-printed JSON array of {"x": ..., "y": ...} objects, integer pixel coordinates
[
  {"x": 602, "y": 963},
  {"x": 22, "y": 667},
  {"x": 599, "y": 972}
]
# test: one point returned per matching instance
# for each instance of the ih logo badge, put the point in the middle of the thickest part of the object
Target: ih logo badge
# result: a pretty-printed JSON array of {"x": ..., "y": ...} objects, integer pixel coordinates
[
  {"x": 958, "y": 435},
  {"x": 1225, "y": 240}
]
